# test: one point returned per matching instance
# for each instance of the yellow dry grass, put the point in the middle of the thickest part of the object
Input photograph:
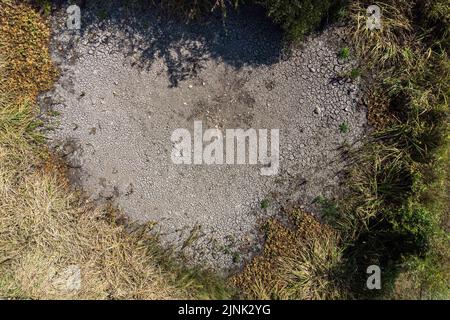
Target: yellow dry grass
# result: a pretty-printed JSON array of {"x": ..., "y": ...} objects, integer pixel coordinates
[
  {"x": 298, "y": 262},
  {"x": 54, "y": 245}
]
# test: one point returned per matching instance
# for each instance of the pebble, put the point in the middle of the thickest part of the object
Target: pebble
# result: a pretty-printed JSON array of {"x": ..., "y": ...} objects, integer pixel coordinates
[{"x": 317, "y": 111}]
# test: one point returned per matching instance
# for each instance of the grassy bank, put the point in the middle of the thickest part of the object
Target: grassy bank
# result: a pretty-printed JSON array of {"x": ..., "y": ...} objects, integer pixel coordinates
[
  {"x": 399, "y": 205},
  {"x": 396, "y": 212}
]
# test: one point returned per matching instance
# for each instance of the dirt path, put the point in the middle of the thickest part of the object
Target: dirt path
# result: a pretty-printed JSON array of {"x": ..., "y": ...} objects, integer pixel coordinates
[{"x": 131, "y": 79}]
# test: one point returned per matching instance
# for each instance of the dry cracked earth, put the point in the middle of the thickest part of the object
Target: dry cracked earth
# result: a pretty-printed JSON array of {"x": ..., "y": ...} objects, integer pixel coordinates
[{"x": 128, "y": 79}]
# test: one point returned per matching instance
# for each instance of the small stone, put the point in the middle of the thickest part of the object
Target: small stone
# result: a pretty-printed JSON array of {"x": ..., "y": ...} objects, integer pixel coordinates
[
  {"x": 74, "y": 160},
  {"x": 129, "y": 189},
  {"x": 108, "y": 192},
  {"x": 317, "y": 111},
  {"x": 68, "y": 149}
]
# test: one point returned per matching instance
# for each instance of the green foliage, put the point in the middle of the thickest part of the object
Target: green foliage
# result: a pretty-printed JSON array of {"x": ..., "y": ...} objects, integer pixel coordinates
[
  {"x": 399, "y": 200},
  {"x": 328, "y": 208},
  {"x": 355, "y": 73},
  {"x": 344, "y": 128},
  {"x": 264, "y": 204},
  {"x": 298, "y": 17},
  {"x": 344, "y": 53},
  {"x": 45, "y": 6}
]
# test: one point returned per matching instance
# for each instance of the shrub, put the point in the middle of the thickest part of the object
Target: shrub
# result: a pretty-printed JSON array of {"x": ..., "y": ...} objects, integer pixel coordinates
[{"x": 298, "y": 17}]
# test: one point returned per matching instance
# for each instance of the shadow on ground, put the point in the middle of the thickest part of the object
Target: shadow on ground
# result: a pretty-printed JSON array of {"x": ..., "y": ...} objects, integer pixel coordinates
[{"x": 244, "y": 38}]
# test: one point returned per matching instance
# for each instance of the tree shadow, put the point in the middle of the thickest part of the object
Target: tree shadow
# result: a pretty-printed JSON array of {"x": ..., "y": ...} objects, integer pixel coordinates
[{"x": 244, "y": 38}]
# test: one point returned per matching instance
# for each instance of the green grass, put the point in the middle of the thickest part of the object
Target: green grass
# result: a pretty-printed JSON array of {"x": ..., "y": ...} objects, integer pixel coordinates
[
  {"x": 301, "y": 261},
  {"x": 398, "y": 213},
  {"x": 300, "y": 17},
  {"x": 264, "y": 204},
  {"x": 355, "y": 73},
  {"x": 344, "y": 53},
  {"x": 344, "y": 127}
]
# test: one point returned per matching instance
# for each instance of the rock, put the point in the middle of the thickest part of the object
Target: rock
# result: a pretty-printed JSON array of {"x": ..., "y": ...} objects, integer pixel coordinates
[
  {"x": 318, "y": 111},
  {"x": 109, "y": 192},
  {"x": 68, "y": 148},
  {"x": 129, "y": 189},
  {"x": 74, "y": 159}
]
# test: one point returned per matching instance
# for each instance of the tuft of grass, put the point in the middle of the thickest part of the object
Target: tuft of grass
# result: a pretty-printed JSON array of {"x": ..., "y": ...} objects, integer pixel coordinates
[
  {"x": 264, "y": 204},
  {"x": 45, "y": 6},
  {"x": 351, "y": 74},
  {"x": 300, "y": 261},
  {"x": 344, "y": 128},
  {"x": 344, "y": 53},
  {"x": 355, "y": 73}
]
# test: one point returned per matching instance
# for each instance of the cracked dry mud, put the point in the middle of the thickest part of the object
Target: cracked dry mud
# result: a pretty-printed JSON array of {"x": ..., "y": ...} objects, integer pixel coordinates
[{"x": 128, "y": 81}]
